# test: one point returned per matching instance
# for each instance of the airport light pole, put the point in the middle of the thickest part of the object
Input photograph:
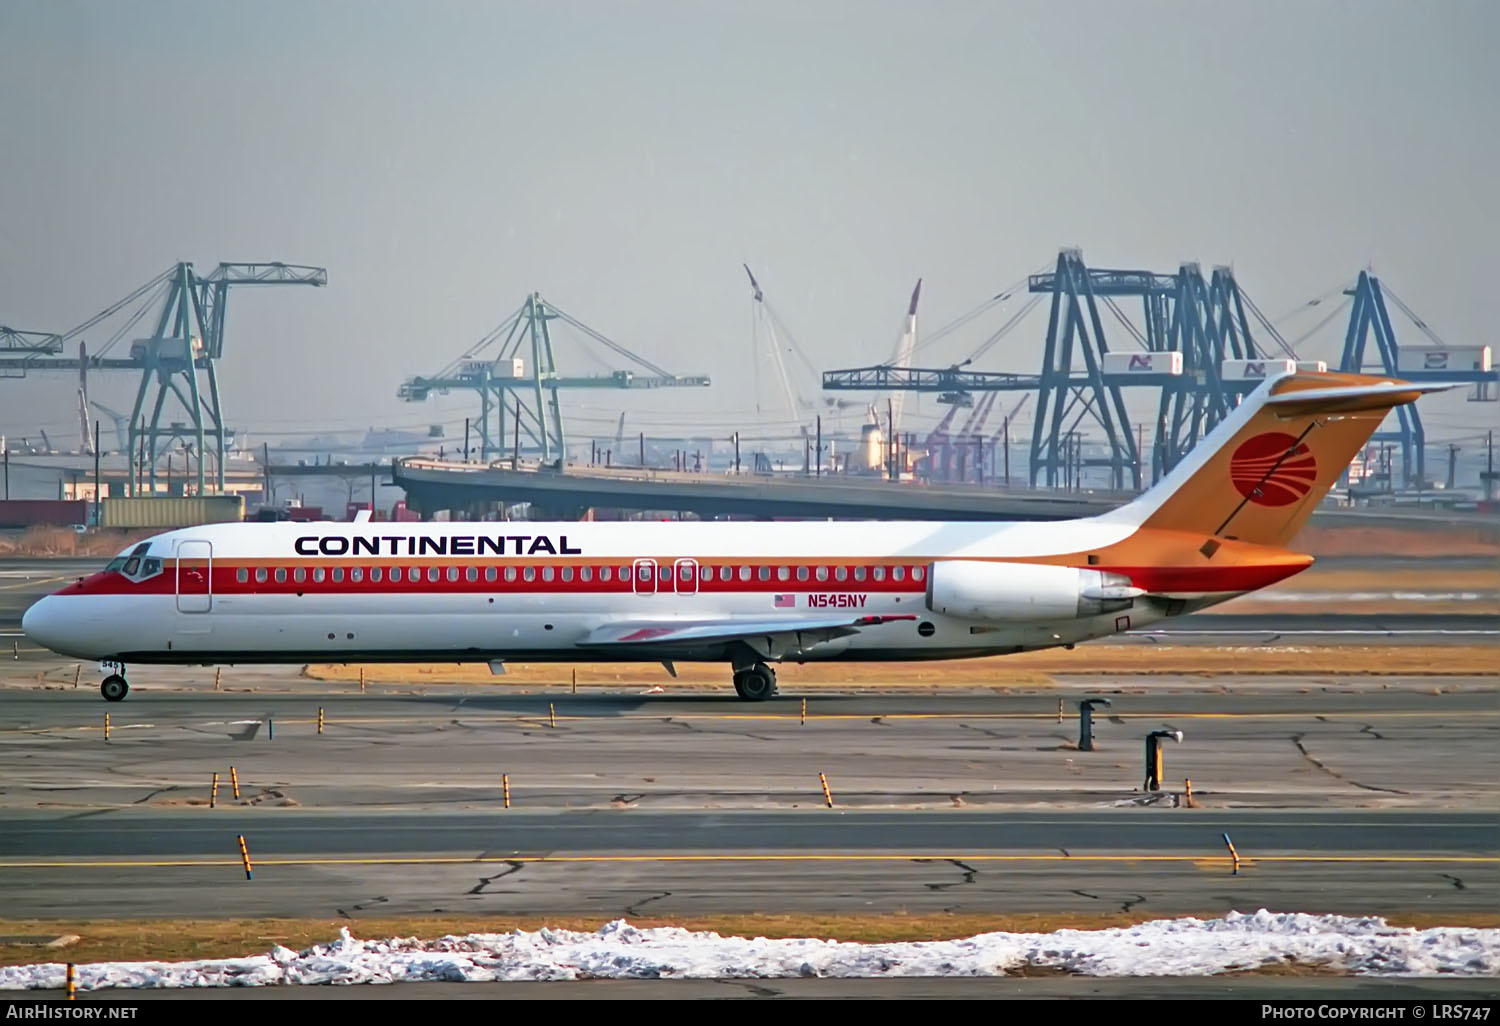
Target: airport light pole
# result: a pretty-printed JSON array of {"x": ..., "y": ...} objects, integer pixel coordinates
[
  {"x": 96, "y": 473},
  {"x": 1489, "y": 468},
  {"x": 819, "y": 471}
]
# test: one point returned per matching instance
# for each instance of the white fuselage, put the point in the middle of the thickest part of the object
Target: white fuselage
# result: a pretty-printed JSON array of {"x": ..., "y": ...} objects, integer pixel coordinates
[{"x": 284, "y": 592}]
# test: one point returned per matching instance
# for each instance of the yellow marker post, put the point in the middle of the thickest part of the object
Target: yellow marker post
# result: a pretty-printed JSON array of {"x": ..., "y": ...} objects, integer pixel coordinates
[
  {"x": 575, "y": 681},
  {"x": 245, "y": 856},
  {"x": 361, "y": 680},
  {"x": 804, "y": 712},
  {"x": 218, "y": 670},
  {"x": 1059, "y": 710},
  {"x": 551, "y": 715},
  {"x": 320, "y": 719},
  {"x": 213, "y": 792},
  {"x": 72, "y": 984},
  {"x": 1187, "y": 792},
  {"x": 1232, "y": 854},
  {"x": 1154, "y": 772},
  {"x": 234, "y": 781},
  {"x": 106, "y": 726},
  {"x": 827, "y": 795},
  {"x": 505, "y": 788}
]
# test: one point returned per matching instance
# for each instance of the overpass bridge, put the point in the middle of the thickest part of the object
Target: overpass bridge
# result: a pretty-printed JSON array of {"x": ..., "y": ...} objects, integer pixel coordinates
[{"x": 434, "y": 484}]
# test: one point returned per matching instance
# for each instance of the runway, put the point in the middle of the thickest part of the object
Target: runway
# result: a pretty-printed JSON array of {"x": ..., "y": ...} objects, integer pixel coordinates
[
  {"x": 1337, "y": 799},
  {"x": 627, "y": 863},
  {"x": 1262, "y": 744},
  {"x": 138, "y": 838}
]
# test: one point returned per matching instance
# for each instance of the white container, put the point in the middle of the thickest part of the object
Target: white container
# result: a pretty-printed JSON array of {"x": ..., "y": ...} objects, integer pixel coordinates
[
  {"x": 506, "y": 370},
  {"x": 1454, "y": 358},
  {"x": 1255, "y": 370},
  {"x": 1127, "y": 365},
  {"x": 1316, "y": 366}
]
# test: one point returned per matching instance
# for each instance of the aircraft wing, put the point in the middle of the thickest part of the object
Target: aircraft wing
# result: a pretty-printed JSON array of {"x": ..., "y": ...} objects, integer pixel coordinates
[{"x": 676, "y": 632}]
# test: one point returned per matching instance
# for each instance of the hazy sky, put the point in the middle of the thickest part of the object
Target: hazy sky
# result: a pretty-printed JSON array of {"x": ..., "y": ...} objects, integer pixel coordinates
[{"x": 623, "y": 158}]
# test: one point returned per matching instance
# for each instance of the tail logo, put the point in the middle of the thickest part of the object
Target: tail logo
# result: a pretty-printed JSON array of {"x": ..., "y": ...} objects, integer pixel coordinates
[{"x": 1264, "y": 472}]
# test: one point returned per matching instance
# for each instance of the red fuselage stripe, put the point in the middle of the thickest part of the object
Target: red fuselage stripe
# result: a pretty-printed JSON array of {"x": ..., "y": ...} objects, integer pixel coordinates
[{"x": 226, "y": 579}]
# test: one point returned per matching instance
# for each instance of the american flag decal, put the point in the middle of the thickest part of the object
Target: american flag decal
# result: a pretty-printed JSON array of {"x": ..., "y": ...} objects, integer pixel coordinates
[{"x": 785, "y": 601}]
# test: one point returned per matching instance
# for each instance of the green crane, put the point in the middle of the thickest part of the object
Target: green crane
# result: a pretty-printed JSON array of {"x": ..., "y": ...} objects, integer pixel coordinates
[
  {"x": 178, "y": 358},
  {"x": 496, "y": 368}
]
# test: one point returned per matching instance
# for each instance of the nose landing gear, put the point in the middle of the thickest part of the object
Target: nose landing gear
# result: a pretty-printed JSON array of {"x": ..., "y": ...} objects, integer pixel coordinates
[{"x": 114, "y": 688}]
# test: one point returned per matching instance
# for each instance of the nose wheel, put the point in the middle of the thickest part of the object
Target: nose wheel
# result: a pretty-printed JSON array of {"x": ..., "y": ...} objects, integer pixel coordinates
[
  {"x": 755, "y": 684},
  {"x": 114, "y": 688}
]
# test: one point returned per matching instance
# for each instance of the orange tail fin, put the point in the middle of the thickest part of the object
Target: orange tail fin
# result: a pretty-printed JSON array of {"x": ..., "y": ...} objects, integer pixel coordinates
[{"x": 1258, "y": 476}]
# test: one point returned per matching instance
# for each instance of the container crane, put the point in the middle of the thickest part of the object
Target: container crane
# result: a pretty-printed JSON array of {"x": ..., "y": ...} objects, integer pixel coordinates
[
  {"x": 770, "y": 332},
  {"x": 937, "y": 442},
  {"x": 185, "y": 345},
  {"x": 901, "y": 359},
  {"x": 494, "y": 368}
]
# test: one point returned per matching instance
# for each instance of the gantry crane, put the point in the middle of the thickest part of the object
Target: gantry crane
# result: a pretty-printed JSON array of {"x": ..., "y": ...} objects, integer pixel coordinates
[
  {"x": 501, "y": 378},
  {"x": 185, "y": 344}
]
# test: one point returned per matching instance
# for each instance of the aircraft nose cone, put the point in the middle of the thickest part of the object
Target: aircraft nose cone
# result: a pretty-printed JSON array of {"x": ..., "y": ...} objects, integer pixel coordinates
[{"x": 42, "y": 623}]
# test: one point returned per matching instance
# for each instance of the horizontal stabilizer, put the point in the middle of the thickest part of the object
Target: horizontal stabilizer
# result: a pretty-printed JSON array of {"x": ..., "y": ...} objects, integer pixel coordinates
[{"x": 1353, "y": 398}]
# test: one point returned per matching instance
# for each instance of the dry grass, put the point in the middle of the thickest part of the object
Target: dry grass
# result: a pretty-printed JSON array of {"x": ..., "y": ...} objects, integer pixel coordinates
[
  {"x": 1251, "y": 606},
  {"x": 1260, "y": 660},
  {"x": 1029, "y": 669},
  {"x": 1478, "y": 536},
  {"x": 1335, "y": 582},
  {"x": 60, "y": 541},
  {"x": 1483, "y": 576},
  {"x": 175, "y": 940}
]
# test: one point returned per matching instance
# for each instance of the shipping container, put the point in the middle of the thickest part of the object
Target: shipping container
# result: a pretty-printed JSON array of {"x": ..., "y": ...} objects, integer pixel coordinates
[
  {"x": 507, "y": 368},
  {"x": 1141, "y": 364},
  {"x": 1255, "y": 370},
  {"x": 1454, "y": 358},
  {"x": 43, "y": 512},
  {"x": 167, "y": 512},
  {"x": 400, "y": 514}
]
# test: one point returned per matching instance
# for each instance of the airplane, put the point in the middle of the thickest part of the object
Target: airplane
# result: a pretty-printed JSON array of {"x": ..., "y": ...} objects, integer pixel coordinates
[{"x": 751, "y": 595}]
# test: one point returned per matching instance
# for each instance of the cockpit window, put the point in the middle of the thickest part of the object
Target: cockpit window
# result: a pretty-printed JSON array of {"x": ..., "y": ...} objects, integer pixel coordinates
[{"x": 137, "y": 566}]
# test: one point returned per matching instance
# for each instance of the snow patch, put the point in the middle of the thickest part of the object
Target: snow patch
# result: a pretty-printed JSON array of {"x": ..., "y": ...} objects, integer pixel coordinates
[{"x": 1164, "y": 947}]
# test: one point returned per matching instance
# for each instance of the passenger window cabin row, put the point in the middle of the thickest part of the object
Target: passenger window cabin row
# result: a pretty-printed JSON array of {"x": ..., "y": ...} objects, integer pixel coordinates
[{"x": 685, "y": 571}]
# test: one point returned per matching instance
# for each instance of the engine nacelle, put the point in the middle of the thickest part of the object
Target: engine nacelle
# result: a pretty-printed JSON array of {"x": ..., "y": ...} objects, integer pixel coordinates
[{"x": 1024, "y": 592}]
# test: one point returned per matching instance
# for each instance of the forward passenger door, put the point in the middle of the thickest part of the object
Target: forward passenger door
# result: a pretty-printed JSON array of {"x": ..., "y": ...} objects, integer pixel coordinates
[{"x": 195, "y": 561}]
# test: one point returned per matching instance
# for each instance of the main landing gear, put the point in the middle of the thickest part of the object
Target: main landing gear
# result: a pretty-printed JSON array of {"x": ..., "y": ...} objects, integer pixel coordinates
[
  {"x": 755, "y": 683},
  {"x": 114, "y": 688}
]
